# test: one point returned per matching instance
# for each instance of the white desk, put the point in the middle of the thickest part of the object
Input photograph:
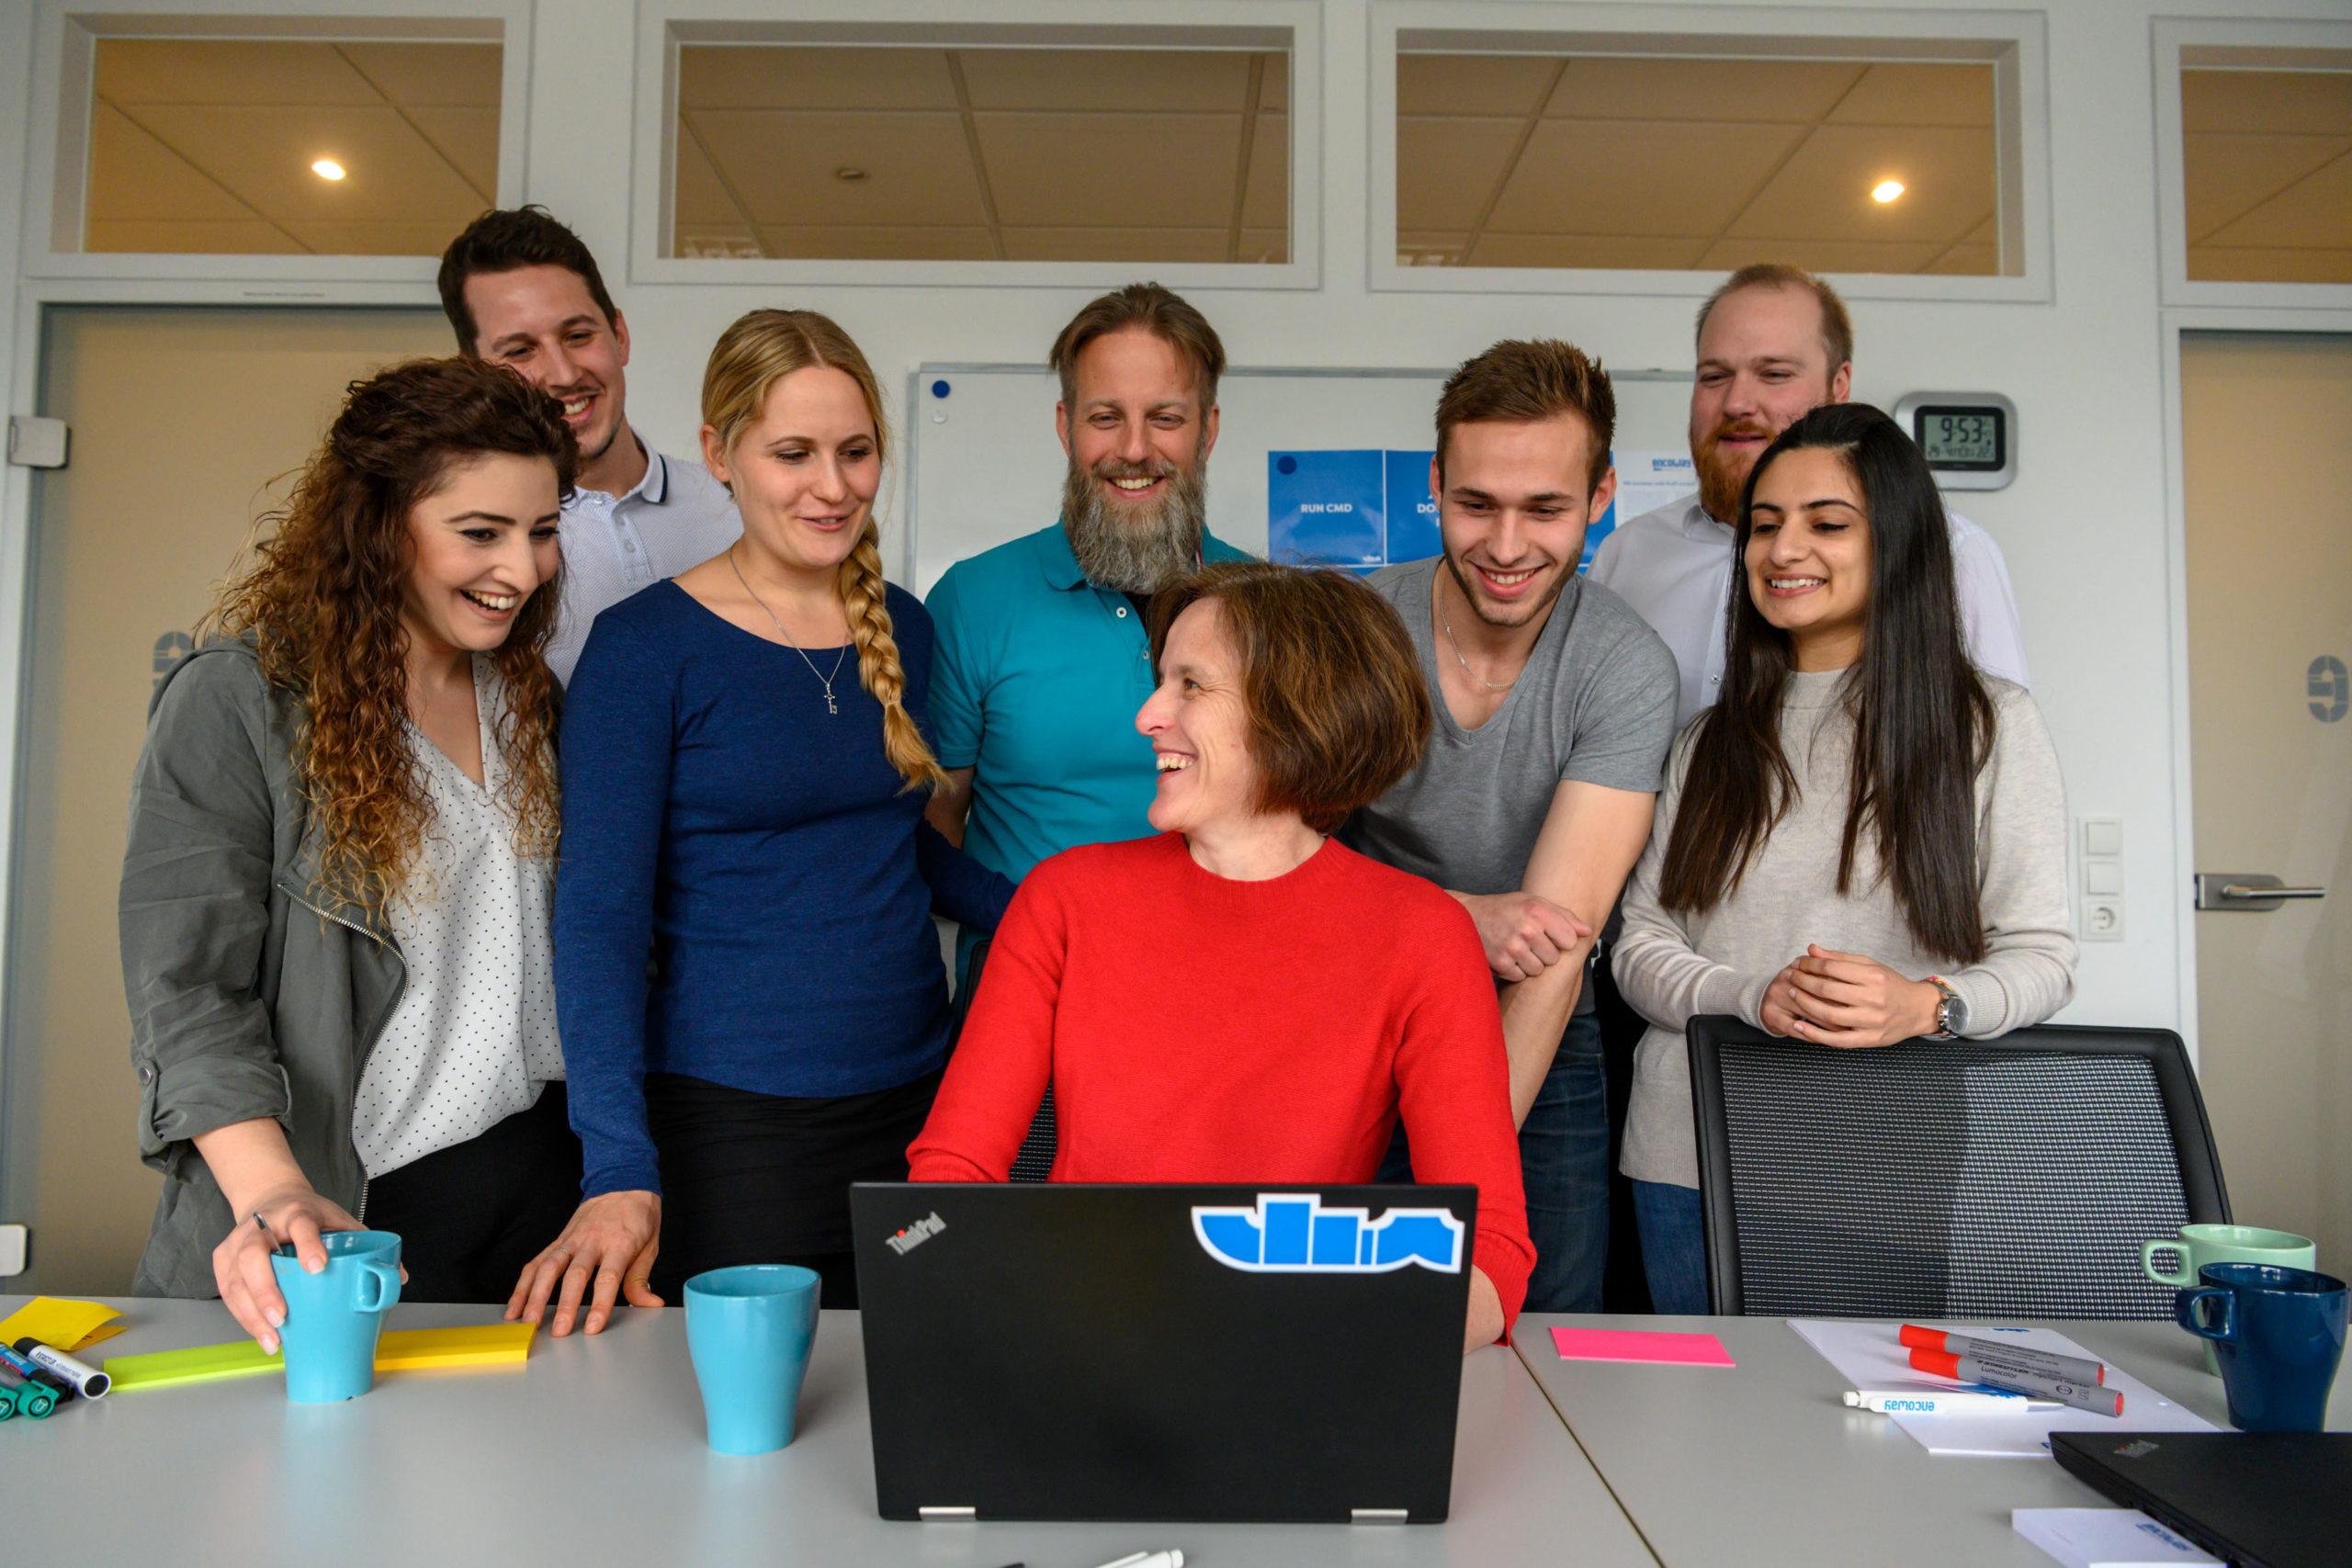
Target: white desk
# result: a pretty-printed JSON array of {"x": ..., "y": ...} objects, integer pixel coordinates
[
  {"x": 1760, "y": 1464},
  {"x": 592, "y": 1453}
]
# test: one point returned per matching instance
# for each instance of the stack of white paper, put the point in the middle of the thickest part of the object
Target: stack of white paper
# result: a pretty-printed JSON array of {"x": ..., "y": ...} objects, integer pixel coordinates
[
  {"x": 2105, "y": 1537},
  {"x": 1869, "y": 1356}
]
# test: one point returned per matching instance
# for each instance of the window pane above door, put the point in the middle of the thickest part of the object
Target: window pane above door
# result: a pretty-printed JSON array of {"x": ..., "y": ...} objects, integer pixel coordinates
[
  {"x": 2266, "y": 174},
  {"x": 246, "y": 146}
]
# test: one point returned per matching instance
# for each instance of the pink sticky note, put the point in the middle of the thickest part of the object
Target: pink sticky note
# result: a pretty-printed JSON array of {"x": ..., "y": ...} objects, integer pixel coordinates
[{"x": 1640, "y": 1344}]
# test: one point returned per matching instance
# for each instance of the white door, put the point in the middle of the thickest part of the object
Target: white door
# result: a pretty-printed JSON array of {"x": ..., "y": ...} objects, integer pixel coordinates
[
  {"x": 2269, "y": 513},
  {"x": 186, "y": 426}
]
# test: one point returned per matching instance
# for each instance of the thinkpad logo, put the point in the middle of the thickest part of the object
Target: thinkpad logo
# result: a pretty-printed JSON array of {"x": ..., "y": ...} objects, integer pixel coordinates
[
  {"x": 2139, "y": 1450},
  {"x": 915, "y": 1235}
]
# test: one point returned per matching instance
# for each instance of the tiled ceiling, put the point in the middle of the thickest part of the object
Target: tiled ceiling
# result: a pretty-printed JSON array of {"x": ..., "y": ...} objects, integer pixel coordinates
[
  {"x": 983, "y": 154},
  {"x": 2268, "y": 167},
  {"x": 1553, "y": 162},
  {"x": 206, "y": 145}
]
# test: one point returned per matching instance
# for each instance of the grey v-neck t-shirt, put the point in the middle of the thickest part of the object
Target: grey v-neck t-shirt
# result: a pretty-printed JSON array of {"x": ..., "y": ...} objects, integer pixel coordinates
[{"x": 1595, "y": 704}]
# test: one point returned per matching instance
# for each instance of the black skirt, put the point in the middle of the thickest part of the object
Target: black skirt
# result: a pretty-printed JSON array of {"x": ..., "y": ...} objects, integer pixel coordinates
[{"x": 752, "y": 1178}]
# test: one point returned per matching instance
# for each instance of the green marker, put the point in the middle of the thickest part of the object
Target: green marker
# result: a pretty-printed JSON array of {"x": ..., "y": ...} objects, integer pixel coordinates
[{"x": 22, "y": 1396}]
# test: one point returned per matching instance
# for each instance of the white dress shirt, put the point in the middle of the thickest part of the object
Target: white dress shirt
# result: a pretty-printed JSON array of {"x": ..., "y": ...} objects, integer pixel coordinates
[
  {"x": 677, "y": 516},
  {"x": 1674, "y": 566}
]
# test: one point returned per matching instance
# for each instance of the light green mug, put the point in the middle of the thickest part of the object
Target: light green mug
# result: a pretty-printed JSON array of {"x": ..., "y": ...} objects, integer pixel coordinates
[{"x": 2201, "y": 1245}]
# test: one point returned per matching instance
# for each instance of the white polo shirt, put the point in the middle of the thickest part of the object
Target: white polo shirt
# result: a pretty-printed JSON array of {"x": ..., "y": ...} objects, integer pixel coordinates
[
  {"x": 1674, "y": 566},
  {"x": 678, "y": 516}
]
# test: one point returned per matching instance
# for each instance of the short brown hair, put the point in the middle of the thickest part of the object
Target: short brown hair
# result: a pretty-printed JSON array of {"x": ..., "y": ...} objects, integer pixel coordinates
[
  {"x": 504, "y": 240},
  {"x": 1526, "y": 380},
  {"x": 1836, "y": 326},
  {"x": 1159, "y": 311},
  {"x": 1337, "y": 707}
]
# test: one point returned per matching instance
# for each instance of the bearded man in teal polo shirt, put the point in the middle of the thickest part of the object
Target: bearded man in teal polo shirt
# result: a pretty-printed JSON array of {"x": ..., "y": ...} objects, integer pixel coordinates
[{"x": 1041, "y": 658}]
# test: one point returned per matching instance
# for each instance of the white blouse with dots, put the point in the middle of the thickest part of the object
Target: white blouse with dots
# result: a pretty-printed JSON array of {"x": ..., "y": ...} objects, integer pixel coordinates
[{"x": 473, "y": 1037}]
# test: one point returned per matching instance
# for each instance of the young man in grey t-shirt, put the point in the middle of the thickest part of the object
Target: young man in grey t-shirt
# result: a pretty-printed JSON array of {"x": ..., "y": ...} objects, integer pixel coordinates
[{"x": 1554, "y": 710}]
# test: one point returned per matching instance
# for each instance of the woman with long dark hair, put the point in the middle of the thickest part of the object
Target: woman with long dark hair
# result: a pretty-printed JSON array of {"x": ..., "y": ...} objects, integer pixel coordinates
[
  {"x": 1873, "y": 847},
  {"x": 340, "y": 878}
]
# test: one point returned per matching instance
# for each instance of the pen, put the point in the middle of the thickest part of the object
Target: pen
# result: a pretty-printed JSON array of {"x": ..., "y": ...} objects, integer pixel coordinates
[
  {"x": 2049, "y": 1363},
  {"x": 1943, "y": 1401},
  {"x": 1968, "y": 1369},
  {"x": 1171, "y": 1559},
  {"x": 87, "y": 1381}
]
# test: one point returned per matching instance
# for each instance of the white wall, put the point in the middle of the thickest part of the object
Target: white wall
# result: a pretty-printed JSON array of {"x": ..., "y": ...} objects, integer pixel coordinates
[{"x": 2084, "y": 527}]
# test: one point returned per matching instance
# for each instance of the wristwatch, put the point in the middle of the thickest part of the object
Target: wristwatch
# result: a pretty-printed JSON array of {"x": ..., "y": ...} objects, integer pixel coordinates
[{"x": 1951, "y": 1013}]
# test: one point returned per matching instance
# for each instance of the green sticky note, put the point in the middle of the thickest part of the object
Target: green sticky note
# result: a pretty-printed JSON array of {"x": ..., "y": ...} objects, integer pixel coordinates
[{"x": 202, "y": 1363}]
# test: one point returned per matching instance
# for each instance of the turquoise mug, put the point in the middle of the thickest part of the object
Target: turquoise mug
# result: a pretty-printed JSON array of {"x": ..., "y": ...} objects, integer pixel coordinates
[
  {"x": 332, "y": 1317},
  {"x": 2201, "y": 1245},
  {"x": 749, "y": 1331},
  {"x": 2280, "y": 1336}
]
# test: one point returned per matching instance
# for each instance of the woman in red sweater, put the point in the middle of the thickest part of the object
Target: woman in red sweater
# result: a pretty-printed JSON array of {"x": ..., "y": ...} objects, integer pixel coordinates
[{"x": 1243, "y": 999}]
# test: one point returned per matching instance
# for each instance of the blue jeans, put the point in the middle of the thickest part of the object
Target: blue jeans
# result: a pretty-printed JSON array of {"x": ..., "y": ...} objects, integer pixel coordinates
[
  {"x": 1674, "y": 1246},
  {"x": 1563, "y": 1160}
]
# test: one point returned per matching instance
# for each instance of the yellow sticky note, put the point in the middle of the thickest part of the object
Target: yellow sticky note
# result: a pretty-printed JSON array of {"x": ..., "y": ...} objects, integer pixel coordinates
[
  {"x": 66, "y": 1324},
  {"x": 409, "y": 1349}
]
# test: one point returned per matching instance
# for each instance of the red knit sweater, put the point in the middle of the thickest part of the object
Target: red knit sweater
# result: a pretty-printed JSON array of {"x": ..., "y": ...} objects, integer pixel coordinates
[{"x": 1197, "y": 1029}]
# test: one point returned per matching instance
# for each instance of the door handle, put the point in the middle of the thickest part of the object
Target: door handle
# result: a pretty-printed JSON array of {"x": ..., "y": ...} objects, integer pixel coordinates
[{"x": 2247, "y": 892}]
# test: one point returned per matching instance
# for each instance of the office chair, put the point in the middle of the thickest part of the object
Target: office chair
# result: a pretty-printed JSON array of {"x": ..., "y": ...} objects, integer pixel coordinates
[
  {"x": 2006, "y": 1177},
  {"x": 1035, "y": 1158}
]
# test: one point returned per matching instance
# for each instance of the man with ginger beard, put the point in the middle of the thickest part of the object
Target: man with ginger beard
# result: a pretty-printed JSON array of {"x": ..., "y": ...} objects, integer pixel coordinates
[
  {"x": 1041, "y": 657},
  {"x": 1774, "y": 344}
]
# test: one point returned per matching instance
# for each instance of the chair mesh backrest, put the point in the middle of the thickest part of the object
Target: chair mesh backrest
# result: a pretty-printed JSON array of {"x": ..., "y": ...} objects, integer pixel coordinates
[{"x": 1948, "y": 1179}]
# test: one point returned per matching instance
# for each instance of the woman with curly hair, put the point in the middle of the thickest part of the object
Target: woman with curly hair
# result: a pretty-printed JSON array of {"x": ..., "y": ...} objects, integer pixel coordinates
[
  {"x": 337, "y": 893},
  {"x": 745, "y": 771}
]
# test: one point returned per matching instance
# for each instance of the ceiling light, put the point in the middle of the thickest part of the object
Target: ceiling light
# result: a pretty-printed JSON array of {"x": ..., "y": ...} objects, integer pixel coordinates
[
  {"x": 1886, "y": 191},
  {"x": 849, "y": 172},
  {"x": 327, "y": 169}
]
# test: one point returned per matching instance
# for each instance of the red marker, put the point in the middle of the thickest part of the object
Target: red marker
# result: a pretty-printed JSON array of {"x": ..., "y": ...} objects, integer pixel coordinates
[
  {"x": 2016, "y": 1380},
  {"x": 2049, "y": 1363}
]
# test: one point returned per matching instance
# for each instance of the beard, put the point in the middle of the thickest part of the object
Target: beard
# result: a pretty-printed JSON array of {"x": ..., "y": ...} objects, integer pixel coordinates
[
  {"x": 1722, "y": 475},
  {"x": 1131, "y": 548},
  {"x": 1518, "y": 615}
]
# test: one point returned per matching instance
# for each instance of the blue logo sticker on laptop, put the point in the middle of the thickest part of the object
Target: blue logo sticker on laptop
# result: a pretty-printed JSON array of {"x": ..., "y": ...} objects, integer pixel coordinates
[{"x": 1293, "y": 1234}]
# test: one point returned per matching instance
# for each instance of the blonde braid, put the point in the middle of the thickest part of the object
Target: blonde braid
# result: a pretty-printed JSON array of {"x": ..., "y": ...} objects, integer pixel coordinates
[{"x": 878, "y": 669}]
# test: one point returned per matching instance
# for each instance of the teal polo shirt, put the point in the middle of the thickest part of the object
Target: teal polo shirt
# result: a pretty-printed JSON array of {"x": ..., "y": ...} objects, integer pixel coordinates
[{"x": 1036, "y": 677}]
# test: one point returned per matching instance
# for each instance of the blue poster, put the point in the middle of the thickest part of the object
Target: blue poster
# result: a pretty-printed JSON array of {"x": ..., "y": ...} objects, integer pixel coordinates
[
  {"x": 1325, "y": 509},
  {"x": 1412, "y": 510}
]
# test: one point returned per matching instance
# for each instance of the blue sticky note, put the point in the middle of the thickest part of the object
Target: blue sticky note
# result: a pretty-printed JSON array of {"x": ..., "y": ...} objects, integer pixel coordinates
[
  {"x": 1412, "y": 510},
  {"x": 1325, "y": 508}
]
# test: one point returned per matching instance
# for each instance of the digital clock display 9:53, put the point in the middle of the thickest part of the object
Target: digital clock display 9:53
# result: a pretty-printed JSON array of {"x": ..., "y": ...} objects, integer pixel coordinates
[{"x": 1955, "y": 438}]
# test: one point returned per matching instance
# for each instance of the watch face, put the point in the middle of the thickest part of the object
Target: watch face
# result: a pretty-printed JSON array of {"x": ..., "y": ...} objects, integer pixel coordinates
[{"x": 1955, "y": 1013}]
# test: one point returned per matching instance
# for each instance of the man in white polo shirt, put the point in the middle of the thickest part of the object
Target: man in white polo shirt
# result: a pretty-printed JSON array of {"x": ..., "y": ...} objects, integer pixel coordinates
[
  {"x": 522, "y": 291},
  {"x": 1774, "y": 344}
]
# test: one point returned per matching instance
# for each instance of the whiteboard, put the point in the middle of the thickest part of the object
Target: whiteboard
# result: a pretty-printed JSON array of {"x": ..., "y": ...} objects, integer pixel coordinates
[{"x": 987, "y": 468}]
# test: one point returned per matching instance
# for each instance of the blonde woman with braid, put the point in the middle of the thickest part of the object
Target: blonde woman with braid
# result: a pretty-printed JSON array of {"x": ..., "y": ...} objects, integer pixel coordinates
[{"x": 745, "y": 771}]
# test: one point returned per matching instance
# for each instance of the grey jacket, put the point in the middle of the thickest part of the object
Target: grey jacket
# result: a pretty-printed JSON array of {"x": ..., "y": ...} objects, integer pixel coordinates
[{"x": 250, "y": 996}]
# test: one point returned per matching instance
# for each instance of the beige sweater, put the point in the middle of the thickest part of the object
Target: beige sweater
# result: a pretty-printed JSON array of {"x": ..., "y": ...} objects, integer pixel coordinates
[{"x": 1672, "y": 967}]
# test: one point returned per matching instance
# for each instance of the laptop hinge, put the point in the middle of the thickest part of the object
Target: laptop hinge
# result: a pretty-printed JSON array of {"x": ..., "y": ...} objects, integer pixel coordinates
[
  {"x": 1378, "y": 1516},
  {"x": 965, "y": 1515}
]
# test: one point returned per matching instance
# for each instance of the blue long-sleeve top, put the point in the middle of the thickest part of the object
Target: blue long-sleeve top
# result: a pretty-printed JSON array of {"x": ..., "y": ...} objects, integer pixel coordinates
[{"x": 766, "y": 856}]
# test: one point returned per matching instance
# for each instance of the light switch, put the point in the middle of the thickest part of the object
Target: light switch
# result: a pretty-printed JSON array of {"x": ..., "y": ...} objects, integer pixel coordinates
[
  {"x": 2102, "y": 836},
  {"x": 2102, "y": 878}
]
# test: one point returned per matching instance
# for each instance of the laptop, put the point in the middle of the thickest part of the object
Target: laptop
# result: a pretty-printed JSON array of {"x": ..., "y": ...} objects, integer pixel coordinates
[
  {"x": 2261, "y": 1499},
  {"x": 1196, "y": 1354}
]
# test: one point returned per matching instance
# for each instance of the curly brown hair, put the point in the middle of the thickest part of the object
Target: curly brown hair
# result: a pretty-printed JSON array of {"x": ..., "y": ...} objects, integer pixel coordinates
[{"x": 320, "y": 602}]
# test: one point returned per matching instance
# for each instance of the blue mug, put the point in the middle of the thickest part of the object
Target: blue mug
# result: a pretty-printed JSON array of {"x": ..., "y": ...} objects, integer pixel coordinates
[
  {"x": 332, "y": 1317},
  {"x": 2278, "y": 1333},
  {"x": 749, "y": 1331}
]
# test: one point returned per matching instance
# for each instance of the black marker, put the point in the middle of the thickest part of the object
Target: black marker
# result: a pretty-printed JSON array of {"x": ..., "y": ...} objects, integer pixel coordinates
[{"x": 87, "y": 1381}]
